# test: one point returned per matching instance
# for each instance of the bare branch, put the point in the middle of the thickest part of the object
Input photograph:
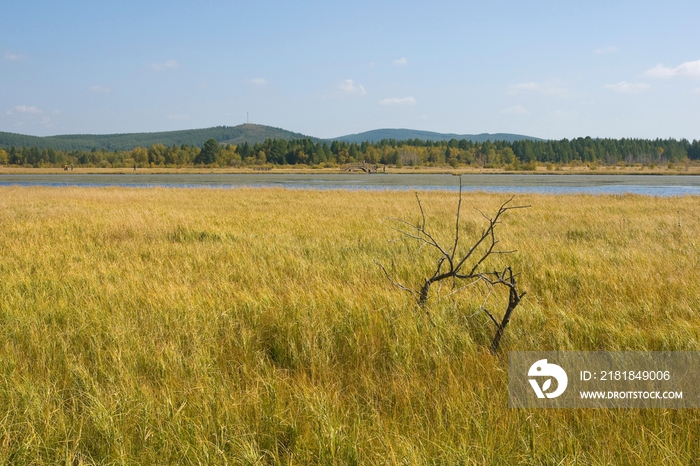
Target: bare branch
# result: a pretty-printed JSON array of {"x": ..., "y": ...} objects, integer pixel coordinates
[
  {"x": 490, "y": 288},
  {"x": 492, "y": 317},
  {"x": 421, "y": 231},
  {"x": 459, "y": 210},
  {"x": 396, "y": 284},
  {"x": 483, "y": 214},
  {"x": 422, "y": 214},
  {"x": 486, "y": 254},
  {"x": 415, "y": 227},
  {"x": 449, "y": 262},
  {"x": 464, "y": 287},
  {"x": 412, "y": 236}
]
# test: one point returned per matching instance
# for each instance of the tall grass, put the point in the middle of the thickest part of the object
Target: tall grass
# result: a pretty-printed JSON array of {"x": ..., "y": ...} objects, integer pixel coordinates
[{"x": 252, "y": 326}]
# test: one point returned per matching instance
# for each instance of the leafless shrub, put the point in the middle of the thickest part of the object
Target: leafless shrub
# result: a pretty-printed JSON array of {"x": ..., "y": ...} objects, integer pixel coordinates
[{"x": 464, "y": 266}]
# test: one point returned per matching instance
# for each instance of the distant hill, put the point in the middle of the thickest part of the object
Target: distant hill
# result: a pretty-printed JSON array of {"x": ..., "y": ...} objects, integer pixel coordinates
[
  {"x": 258, "y": 133},
  {"x": 404, "y": 134},
  {"x": 127, "y": 141},
  {"x": 225, "y": 134}
]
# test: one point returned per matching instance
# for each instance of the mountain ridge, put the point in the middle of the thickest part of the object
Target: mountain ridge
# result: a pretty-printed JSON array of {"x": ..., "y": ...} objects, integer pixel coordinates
[
  {"x": 247, "y": 132},
  {"x": 402, "y": 134},
  {"x": 127, "y": 141}
]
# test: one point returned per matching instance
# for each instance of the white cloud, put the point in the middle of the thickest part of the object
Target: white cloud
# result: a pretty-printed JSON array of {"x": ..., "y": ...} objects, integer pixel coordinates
[
  {"x": 167, "y": 65},
  {"x": 540, "y": 88},
  {"x": 660, "y": 71},
  {"x": 26, "y": 115},
  {"x": 100, "y": 90},
  {"x": 517, "y": 110},
  {"x": 178, "y": 117},
  {"x": 349, "y": 87},
  {"x": 403, "y": 61},
  {"x": 696, "y": 91},
  {"x": 14, "y": 56},
  {"x": 26, "y": 110},
  {"x": 398, "y": 101},
  {"x": 606, "y": 50},
  {"x": 523, "y": 87},
  {"x": 624, "y": 87},
  {"x": 689, "y": 69},
  {"x": 258, "y": 81}
]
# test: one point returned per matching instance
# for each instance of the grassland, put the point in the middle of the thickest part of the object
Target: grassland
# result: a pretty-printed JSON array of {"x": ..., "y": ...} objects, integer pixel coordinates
[{"x": 252, "y": 326}]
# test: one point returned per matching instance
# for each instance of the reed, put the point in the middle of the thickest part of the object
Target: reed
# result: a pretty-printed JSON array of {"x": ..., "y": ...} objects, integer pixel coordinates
[{"x": 252, "y": 326}]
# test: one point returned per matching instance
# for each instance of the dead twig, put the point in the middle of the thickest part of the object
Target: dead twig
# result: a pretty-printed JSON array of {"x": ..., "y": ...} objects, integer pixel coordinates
[{"x": 465, "y": 266}]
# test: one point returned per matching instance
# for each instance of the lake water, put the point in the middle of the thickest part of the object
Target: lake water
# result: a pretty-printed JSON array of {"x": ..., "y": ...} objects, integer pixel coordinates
[{"x": 651, "y": 185}]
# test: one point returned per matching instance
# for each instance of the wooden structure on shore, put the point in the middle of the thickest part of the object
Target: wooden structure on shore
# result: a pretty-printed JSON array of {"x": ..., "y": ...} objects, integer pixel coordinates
[{"x": 364, "y": 166}]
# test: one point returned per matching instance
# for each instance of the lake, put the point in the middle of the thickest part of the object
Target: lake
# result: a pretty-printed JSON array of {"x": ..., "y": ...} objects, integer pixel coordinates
[{"x": 651, "y": 185}]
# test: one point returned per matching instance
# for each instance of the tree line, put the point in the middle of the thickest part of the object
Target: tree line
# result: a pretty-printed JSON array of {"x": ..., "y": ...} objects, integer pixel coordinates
[{"x": 412, "y": 152}]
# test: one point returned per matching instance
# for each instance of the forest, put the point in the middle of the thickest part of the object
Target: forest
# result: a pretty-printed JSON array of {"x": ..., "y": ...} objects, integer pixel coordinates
[
  {"x": 518, "y": 155},
  {"x": 128, "y": 141}
]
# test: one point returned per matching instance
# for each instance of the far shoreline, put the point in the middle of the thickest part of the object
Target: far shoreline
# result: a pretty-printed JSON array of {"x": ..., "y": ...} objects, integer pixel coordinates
[{"x": 686, "y": 170}]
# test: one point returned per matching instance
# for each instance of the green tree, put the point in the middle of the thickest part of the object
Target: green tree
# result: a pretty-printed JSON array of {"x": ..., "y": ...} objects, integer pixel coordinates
[
  {"x": 208, "y": 154},
  {"x": 140, "y": 155},
  {"x": 156, "y": 154},
  {"x": 508, "y": 155}
]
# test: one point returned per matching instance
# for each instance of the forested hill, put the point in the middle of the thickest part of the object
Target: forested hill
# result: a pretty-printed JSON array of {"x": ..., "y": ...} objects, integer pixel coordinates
[
  {"x": 128, "y": 141},
  {"x": 408, "y": 134},
  {"x": 256, "y": 145},
  {"x": 252, "y": 134}
]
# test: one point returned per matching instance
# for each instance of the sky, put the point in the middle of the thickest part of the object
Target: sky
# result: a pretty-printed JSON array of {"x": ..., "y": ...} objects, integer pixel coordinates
[{"x": 549, "y": 69}]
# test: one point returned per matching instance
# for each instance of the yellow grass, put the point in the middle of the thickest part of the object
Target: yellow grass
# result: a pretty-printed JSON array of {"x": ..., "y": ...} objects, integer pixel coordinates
[{"x": 252, "y": 326}]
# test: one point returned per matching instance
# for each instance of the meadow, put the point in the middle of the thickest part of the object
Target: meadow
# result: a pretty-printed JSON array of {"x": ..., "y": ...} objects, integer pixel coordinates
[{"x": 253, "y": 326}]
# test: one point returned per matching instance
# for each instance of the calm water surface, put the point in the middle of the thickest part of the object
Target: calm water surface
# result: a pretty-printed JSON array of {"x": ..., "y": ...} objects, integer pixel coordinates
[{"x": 653, "y": 185}]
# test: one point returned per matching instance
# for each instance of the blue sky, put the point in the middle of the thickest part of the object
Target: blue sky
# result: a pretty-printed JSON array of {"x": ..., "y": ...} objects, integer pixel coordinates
[{"x": 551, "y": 69}]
